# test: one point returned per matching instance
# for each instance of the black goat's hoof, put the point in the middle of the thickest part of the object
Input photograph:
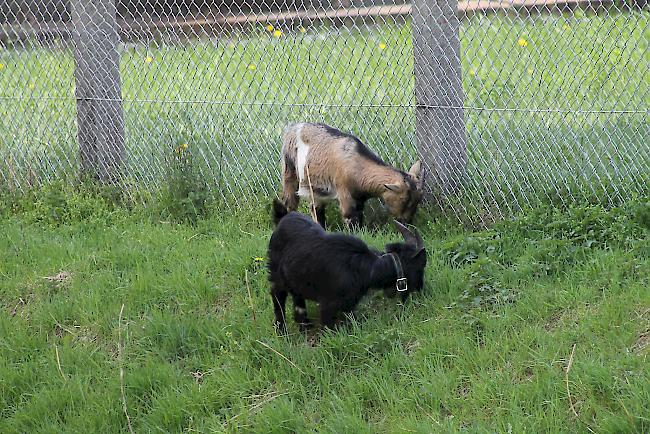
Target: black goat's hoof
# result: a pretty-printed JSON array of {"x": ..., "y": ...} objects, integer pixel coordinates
[{"x": 280, "y": 329}]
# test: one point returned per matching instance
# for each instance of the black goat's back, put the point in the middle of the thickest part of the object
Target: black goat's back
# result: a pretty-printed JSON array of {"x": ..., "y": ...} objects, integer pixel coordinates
[{"x": 305, "y": 259}]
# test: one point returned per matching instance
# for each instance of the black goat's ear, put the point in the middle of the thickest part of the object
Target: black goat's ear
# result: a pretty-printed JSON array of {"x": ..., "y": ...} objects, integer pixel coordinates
[
  {"x": 279, "y": 211},
  {"x": 392, "y": 187},
  {"x": 420, "y": 254}
]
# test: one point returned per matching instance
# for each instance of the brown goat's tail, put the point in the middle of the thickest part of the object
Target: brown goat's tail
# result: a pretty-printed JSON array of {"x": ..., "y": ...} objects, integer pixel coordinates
[{"x": 279, "y": 211}]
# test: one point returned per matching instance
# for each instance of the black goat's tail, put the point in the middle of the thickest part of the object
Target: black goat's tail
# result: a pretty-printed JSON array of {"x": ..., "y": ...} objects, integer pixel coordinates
[{"x": 279, "y": 211}]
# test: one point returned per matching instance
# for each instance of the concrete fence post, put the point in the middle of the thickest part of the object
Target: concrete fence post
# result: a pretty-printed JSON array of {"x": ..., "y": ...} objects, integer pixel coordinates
[
  {"x": 439, "y": 116},
  {"x": 100, "y": 120}
]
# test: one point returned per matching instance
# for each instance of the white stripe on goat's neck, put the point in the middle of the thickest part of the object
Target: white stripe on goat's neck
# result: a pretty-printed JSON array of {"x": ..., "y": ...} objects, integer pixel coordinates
[{"x": 302, "y": 151}]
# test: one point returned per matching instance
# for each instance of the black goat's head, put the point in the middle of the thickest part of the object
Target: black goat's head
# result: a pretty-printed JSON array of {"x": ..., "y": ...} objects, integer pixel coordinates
[{"x": 413, "y": 258}]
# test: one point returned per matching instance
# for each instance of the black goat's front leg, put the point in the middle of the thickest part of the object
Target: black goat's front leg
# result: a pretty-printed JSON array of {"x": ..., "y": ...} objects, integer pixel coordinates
[
  {"x": 300, "y": 313},
  {"x": 348, "y": 305},
  {"x": 328, "y": 311},
  {"x": 279, "y": 298}
]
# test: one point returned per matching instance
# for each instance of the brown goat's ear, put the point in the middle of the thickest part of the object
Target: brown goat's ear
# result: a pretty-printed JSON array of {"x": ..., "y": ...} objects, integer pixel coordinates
[
  {"x": 393, "y": 187},
  {"x": 423, "y": 175},
  {"x": 416, "y": 169}
]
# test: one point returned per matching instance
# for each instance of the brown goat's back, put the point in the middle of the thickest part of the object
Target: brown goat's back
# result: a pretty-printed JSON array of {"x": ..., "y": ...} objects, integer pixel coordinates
[{"x": 322, "y": 163}]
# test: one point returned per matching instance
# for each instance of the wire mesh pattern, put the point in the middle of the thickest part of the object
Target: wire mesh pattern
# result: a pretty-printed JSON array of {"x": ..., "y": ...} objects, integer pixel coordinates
[{"x": 554, "y": 94}]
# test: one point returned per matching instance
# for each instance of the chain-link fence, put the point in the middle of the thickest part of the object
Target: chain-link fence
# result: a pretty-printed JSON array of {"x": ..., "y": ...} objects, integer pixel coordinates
[{"x": 509, "y": 103}]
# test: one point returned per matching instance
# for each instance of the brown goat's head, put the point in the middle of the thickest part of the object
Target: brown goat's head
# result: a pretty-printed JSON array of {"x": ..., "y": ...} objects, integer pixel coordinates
[{"x": 402, "y": 198}]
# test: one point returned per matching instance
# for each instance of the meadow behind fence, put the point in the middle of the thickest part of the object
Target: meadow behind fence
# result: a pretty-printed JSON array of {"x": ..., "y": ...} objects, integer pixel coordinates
[{"x": 509, "y": 103}]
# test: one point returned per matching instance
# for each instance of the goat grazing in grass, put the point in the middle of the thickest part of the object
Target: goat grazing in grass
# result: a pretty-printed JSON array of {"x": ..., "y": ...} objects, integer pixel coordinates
[
  {"x": 340, "y": 167},
  {"x": 334, "y": 269}
]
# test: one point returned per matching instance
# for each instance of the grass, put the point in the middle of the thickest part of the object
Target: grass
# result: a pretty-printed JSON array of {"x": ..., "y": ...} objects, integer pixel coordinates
[
  {"x": 484, "y": 348},
  {"x": 229, "y": 99}
]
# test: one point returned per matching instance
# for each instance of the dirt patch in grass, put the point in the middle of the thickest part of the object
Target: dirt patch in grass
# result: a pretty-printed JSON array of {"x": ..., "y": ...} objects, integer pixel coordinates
[
  {"x": 642, "y": 344},
  {"x": 553, "y": 322}
]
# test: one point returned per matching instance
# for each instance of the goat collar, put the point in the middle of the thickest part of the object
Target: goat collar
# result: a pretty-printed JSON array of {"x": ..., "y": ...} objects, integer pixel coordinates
[{"x": 400, "y": 283}]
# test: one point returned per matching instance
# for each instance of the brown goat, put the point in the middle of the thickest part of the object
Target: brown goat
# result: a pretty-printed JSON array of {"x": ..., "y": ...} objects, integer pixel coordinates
[{"x": 340, "y": 167}]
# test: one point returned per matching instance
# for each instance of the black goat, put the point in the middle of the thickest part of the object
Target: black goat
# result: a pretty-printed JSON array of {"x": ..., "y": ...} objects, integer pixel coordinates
[{"x": 333, "y": 269}]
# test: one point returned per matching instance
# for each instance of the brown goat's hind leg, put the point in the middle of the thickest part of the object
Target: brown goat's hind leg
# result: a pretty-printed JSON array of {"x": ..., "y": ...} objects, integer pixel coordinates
[
  {"x": 300, "y": 313},
  {"x": 290, "y": 185},
  {"x": 350, "y": 212},
  {"x": 279, "y": 298}
]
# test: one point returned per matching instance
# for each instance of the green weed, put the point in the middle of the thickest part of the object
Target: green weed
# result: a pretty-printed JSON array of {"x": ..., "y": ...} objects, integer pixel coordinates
[{"x": 185, "y": 194}]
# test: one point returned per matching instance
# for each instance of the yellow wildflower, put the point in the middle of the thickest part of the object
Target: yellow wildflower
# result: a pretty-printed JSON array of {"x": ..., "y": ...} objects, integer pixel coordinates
[
  {"x": 258, "y": 259},
  {"x": 270, "y": 28},
  {"x": 522, "y": 42},
  {"x": 302, "y": 29},
  {"x": 252, "y": 67},
  {"x": 382, "y": 45},
  {"x": 148, "y": 59},
  {"x": 2, "y": 66},
  {"x": 472, "y": 72},
  {"x": 567, "y": 27},
  {"x": 31, "y": 85},
  {"x": 277, "y": 33}
]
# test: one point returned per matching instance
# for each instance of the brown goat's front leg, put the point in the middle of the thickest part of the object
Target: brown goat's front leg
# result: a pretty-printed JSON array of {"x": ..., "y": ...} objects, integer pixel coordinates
[
  {"x": 279, "y": 298},
  {"x": 320, "y": 215},
  {"x": 352, "y": 212},
  {"x": 359, "y": 211}
]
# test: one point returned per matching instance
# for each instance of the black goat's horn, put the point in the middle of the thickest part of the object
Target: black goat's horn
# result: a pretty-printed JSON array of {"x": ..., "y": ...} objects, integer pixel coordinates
[{"x": 412, "y": 238}]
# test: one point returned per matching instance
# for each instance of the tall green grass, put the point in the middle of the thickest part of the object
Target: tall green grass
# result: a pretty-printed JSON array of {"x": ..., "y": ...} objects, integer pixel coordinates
[{"x": 485, "y": 348}]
